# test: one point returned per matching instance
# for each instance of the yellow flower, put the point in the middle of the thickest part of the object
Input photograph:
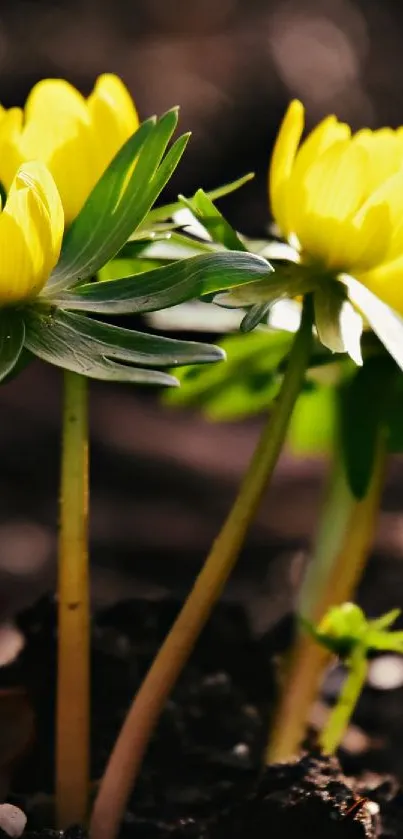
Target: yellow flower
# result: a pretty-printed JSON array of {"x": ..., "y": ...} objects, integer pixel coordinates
[
  {"x": 76, "y": 137},
  {"x": 338, "y": 198},
  {"x": 31, "y": 232}
]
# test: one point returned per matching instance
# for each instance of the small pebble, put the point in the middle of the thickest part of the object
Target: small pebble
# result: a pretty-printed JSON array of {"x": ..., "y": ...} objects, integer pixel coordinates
[
  {"x": 241, "y": 750},
  {"x": 386, "y": 672},
  {"x": 12, "y": 820}
]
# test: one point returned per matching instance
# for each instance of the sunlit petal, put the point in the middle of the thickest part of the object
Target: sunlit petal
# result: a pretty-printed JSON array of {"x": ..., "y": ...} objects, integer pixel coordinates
[
  {"x": 329, "y": 196},
  {"x": 30, "y": 234},
  {"x": 282, "y": 161},
  {"x": 113, "y": 115}
]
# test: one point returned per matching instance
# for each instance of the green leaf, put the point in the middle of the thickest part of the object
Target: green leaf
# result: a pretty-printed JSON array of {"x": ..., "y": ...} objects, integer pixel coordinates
[
  {"x": 213, "y": 221},
  {"x": 339, "y": 326},
  {"x": 385, "y": 621},
  {"x": 169, "y": 248},
  {"x": 12, "y": 335},
  {"x": 395, "y": 414},
  {"x": 364, "y": 411},
  {"x": 119, "y": 202},
  {"x": 256, "y": 315},
  {"x": 244, "y": 386},
  {"x": 385, "y": 322},
  {"x": 391, "y": 642},
  {"x": 62, "y": 339},
  {"x": 166, "y": 286},
  {"x": 168, "y": 210},
  {"x": 134, "y": 347},
  {"x": 314, "y": 421}
]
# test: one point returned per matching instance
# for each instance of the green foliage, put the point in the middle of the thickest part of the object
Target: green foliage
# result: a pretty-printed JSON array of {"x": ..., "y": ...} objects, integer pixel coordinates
[
  {"x": 213, "y": 221},
  {"x": 313, "y": 425},
  {"x": 166, "y": 286},
  {"x": 364, "y": 412},
  {"x": 245, "y": 385},
  {"x": 345, "y": 629},
  {"x": 168, "y": 210}
]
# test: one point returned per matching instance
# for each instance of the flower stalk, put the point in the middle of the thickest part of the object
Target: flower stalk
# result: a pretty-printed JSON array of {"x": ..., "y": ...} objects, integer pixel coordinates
[
  {"x": 344, "y": 540},
  {"x": 72, "y": 714},
  {"x": 127, "y": 755}
]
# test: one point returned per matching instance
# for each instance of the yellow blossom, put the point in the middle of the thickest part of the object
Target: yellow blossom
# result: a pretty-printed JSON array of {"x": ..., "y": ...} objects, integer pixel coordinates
[
  {"x": 75, "y": 137},
  {"x": 338, "y": 197},
  {"x": 31, "y": 232}
]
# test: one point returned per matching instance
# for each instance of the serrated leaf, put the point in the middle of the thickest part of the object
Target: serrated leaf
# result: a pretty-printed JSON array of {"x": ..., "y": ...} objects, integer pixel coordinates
[
  {"x": 53, "y": 338},
  {"x": 213, "y": 221},
  {"x": 12, "y": 335},
  {"x": 364, "y": 412},
  {"x": 119, "y": 202},
  {"x": 385, "y": 322},
  {"x": 168, "y": 210},
  {"x": 166, "y": 286}
]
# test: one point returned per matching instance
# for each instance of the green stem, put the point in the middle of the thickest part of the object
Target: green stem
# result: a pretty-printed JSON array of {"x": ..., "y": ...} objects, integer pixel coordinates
[
  {"x": 127, "y": 755},
  {"x": 344, "y": 540},
  {"x": 342, "y": 712},
  {"x": 72, "y": 713}
]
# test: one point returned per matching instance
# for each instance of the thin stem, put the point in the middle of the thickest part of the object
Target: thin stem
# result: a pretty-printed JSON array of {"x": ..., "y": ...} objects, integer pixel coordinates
[
  {"x": 342, "y": 549},
  {"x": 72, "y": 714},
  {"x": 342, "y": 712},
  {"x": 126, "y": 758}
]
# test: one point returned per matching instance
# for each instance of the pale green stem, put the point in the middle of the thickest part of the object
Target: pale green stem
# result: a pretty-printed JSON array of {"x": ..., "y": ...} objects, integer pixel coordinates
[
  {"x": 344, "y": 540},
  {"x": 341, "y": 714},
  {"x": 125, "y": 761},
  {"x": 72, "y": 712}
]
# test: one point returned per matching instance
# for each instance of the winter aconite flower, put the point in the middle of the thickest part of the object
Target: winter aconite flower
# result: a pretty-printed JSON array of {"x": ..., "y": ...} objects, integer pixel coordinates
[
  {"x": 338, "y": 199},
  {"x": 75, "y": 137},
  {"x": 31, "y": 231}
]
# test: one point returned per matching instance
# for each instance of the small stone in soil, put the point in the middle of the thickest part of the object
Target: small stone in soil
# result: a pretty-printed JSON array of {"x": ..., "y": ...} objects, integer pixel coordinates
[{"x": 12, "y": 820}]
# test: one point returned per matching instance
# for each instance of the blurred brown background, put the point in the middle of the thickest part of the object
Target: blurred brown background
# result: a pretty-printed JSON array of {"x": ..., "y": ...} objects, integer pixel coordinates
[{"x": 162, "y": 481}]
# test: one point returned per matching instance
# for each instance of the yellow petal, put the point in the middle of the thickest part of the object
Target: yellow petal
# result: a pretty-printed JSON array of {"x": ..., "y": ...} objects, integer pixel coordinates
[
  {"x": 368, "y": 237},
  {"x": 386, "y": 281},
  {"x": 282, "y": 161},
  {"x": 52, "y": 97},
  {"x": 38, "y": 178},
  {"x": 325, "y": 135},
  {"x": 326, "y": 201},
  {"x": 64, "y": 145},
  {"x": 30, "y": 234},
  {"x": 58, "y": 131},
  {"x": 385, "y": 155},
  {"x": 390, "y": 196},
  {"x": 10, "y": 155},
  {"x": 113, "y": 114}
]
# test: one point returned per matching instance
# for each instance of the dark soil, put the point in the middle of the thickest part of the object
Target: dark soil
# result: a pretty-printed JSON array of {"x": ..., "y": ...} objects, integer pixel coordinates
[{"x": 201, "y": 778}]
